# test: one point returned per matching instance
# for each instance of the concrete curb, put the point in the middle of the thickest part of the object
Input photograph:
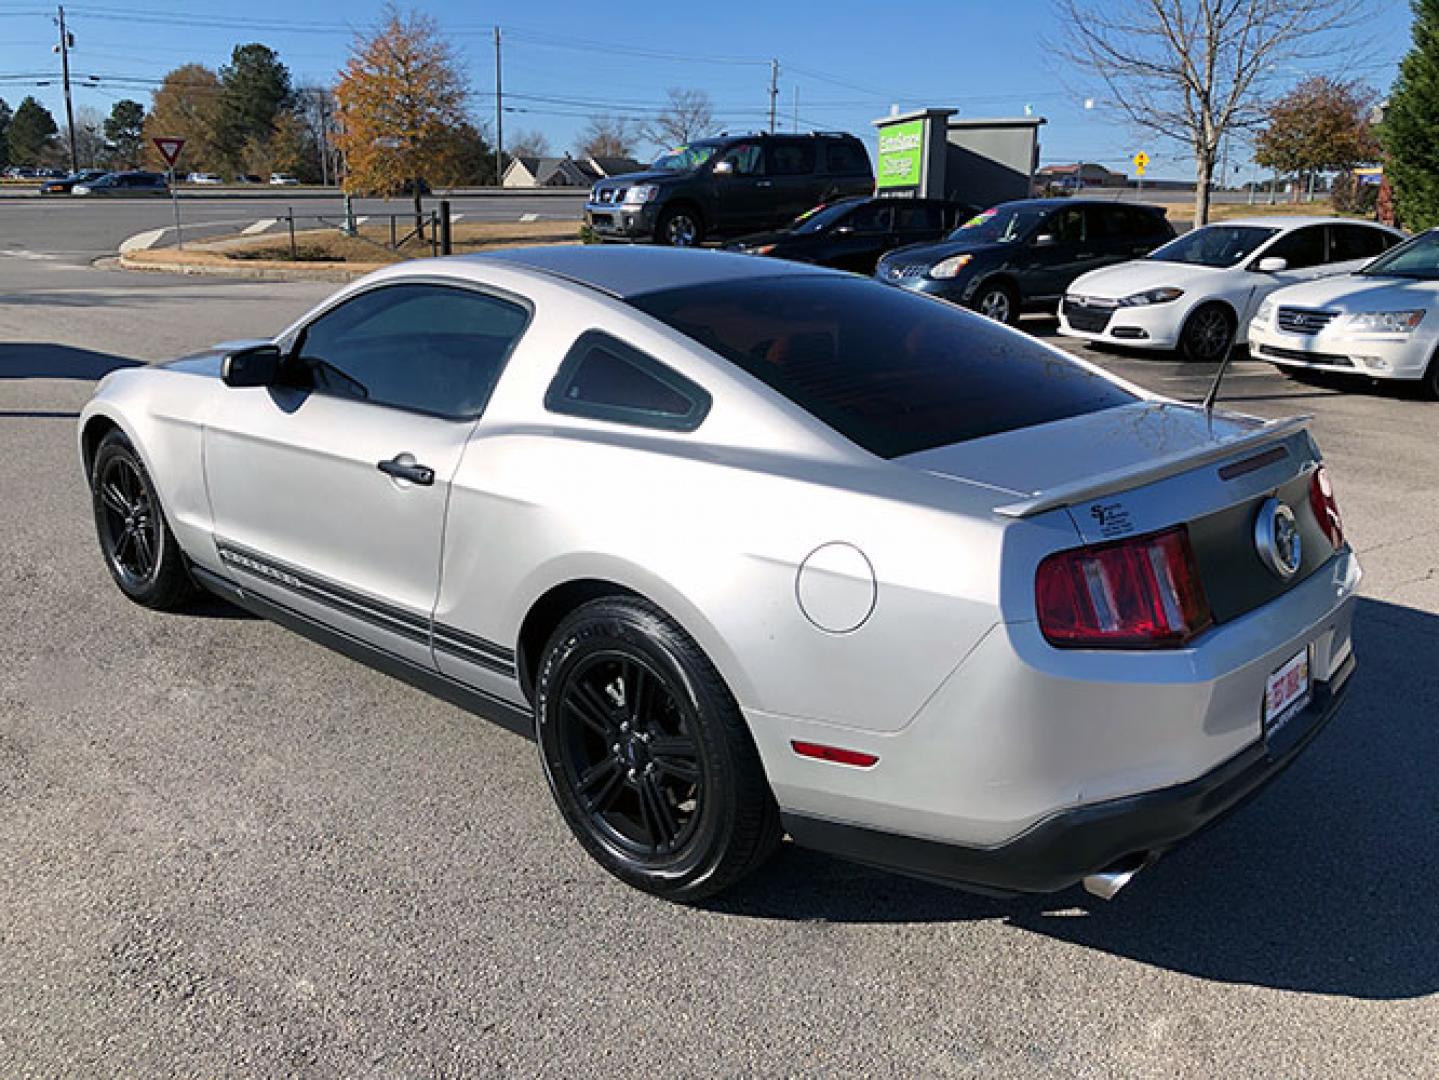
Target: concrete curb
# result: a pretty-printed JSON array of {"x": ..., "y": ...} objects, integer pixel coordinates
[{"x": 243, "y": 272}]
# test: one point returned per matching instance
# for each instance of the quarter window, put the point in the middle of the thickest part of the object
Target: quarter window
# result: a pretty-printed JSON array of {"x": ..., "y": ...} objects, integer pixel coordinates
[
  {"x": 844, "y": 157},
  {"x": 429, "y": 348},
  {"x": 604, "y": 379}
]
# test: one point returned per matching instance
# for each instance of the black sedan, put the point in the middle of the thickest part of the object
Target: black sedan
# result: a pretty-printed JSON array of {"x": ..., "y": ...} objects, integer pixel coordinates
[
  {"x": 1022, "y": 256},
  {"x": 852, "y": 234},
  {"x": 63, "y": 185}
]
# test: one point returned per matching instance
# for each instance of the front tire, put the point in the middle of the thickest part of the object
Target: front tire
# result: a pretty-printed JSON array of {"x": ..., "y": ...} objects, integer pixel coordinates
[
  {"x": 1429, "y": 384},
  {"x": 680, "y": 226},
  {"x": 1207, "y": 335},
  {"x": 647, "y": 754},
  {"x": 139, "y": 548},
  {"x": 997, "y": 301}
]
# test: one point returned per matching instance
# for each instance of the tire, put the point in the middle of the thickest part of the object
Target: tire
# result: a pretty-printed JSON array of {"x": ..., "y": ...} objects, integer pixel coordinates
[
  {"x": 1207, "y": 335},
  {"x": 998, "y": 301},
  {"x": 647, "y": 754},
  {"x": 135, "y": 538},
  {"x": 1429, "y": 384},
  {"x": 680, "y": 226}
]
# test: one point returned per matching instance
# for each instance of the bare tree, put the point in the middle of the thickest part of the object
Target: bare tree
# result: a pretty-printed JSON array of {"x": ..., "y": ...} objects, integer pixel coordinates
[
  {"x": 1194, "y": 70},
  {"x": 528, "y": 144},
  {"x": 607, "y": 136},
  {"x": 688, "y": 116}
]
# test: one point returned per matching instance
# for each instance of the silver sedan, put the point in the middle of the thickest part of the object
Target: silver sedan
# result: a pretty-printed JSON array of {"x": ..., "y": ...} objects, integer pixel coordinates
[{"x": 755, "y": 548}]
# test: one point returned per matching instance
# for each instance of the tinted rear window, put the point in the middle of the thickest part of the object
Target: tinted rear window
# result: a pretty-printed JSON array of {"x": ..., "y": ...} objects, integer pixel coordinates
[{"x": 890, "y": 370}]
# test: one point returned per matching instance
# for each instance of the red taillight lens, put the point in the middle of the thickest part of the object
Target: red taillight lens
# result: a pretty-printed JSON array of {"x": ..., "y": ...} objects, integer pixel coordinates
[
  {"x": 1326, "y": 510},
  {"x": 1141, "y": 593}
]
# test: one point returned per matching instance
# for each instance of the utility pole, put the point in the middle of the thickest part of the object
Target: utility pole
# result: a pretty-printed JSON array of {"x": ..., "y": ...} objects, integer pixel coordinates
[
  {"x": 499, "y": 118},
  {"x": 796, "y": 109},
  {"x": 66, "y": 43},
  {"x": 773, "y": 92}
]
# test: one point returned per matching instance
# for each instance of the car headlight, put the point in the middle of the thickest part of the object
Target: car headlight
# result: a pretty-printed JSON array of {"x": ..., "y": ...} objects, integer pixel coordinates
[
  {"x": 1153, "y": 296},
  {"x": 641, "y": 193},
  {"x": 950, "y": 267},
  {"x": 1265, "y": 312},
  {"x": 1386, "y": 322}
]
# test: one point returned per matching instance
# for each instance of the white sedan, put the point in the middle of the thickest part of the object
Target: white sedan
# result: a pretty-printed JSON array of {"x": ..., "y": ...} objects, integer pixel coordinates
[
  {"x": 1197, "y": 293},
  {"x": 755, "y": 547},
  {"x": 1379, "y": 321}
]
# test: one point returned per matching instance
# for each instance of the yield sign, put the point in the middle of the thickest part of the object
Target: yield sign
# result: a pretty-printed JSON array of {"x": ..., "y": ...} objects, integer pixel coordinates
[{"x": 169, "y": 149}]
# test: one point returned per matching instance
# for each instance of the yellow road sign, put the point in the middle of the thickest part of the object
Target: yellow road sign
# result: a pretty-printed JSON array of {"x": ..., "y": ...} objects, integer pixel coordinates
[{"x": 1141, "y": 162}]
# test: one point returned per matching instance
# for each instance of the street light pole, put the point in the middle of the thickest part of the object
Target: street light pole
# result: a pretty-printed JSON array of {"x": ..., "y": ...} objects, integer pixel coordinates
[
  {"x": 499, "y": 118},
  {"x": 64, "y": 48}
]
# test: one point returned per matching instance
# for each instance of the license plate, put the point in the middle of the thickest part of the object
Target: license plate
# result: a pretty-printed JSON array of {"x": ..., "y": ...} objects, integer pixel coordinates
[{"x": 1286, "y": 693}]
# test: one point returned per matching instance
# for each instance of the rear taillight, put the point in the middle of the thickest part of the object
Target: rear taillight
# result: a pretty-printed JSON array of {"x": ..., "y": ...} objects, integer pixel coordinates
[
  {"x": 1140, "y": 593},
  {"x": 1326, "y": 510}
]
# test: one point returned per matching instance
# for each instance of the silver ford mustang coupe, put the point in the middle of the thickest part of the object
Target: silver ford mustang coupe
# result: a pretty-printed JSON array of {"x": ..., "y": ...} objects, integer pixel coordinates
[{"x": 756, "y": 548}]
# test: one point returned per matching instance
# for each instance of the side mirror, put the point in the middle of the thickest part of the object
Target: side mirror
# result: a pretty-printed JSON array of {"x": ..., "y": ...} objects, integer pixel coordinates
[
  {"x": 255, "y": 366},
  {"x": 723, "y": 168},
  {"x": 1045, "y": 240},
  {"x": 1272, "y": 265},
  {"x": 844, "y": 230}
]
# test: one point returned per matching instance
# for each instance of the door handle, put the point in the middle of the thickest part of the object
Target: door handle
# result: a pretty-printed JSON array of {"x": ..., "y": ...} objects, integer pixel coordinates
[
  {"x": 422, "y": 475},
  {"x": 764, "y": 183}
]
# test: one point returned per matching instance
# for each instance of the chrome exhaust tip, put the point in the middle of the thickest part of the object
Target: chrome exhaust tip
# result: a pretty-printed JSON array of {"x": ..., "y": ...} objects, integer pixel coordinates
[{"x": 1107, "y": 883}]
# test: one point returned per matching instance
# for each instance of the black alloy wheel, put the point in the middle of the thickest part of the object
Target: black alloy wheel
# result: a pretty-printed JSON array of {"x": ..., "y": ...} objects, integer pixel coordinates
[
  {"x": 647, "y": 754},
  {"x": 1207, "y": 334},
  {"x": 140, "y": 550},
  {"x": 680, "y": 227}
]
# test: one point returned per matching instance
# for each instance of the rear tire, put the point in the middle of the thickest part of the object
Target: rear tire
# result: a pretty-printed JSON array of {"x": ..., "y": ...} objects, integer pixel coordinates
[
  {"x": 1207, "y": 335},
  {"x": 139, "y": 548},
  {"x": 647, "y": 754}
]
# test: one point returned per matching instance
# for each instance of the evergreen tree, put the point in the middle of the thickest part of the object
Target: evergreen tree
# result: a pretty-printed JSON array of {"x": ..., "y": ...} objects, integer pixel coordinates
[
  {"x": 31, "y": 129},
  {"x": 255, "y": 94},
  {"x": 4, "y": 133},
  {"x": 1410, "y": 131},
  {"x": 125, "y": 132}
]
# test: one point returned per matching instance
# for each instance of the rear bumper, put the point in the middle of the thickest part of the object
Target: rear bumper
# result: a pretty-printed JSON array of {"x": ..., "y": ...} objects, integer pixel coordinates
[{"x": 1067, "y": 846}]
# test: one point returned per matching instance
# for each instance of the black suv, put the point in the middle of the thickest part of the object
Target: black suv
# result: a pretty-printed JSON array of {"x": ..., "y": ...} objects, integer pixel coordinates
[
  {"x": 852, "y": 234},
  {"x": 728, "y": 186},
  {"x": 1023, "y": 255}
]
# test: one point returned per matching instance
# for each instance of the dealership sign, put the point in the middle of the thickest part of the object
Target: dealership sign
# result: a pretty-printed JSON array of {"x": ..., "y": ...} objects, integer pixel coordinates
[{"x": 901, "y": 155}]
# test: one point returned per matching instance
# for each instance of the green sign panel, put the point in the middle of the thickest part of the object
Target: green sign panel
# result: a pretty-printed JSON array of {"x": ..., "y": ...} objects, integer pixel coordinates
[{"x": 901, "y": 155}]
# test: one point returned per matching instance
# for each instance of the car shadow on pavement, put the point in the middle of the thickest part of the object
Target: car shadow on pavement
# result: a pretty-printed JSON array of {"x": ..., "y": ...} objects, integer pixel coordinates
[
  {"x": 1325, "y": 883},
  {"x": 43, "y": 360}
]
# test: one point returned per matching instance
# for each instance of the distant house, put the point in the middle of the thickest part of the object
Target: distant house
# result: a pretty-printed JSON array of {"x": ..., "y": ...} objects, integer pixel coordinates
[
  {"x": 532, "y": 172},
  {"x": 1081, "y": 175}
]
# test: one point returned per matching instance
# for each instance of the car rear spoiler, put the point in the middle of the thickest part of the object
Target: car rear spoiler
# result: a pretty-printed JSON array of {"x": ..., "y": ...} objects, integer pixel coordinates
[{"x": 1095, "y": 487}]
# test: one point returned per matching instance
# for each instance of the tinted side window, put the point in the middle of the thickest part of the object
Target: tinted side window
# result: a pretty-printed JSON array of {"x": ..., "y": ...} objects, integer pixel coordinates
[
  {"x": 604, "y": 379},
  {"x": 919, "y": 217},
  {"x": 747, "y": 159},
  {"x": 1348, "y": 242},
  {"x": 791, "y": 158},
  {"x": 1300, "y": 249},
  {"x": 873, "y": 217},
  {"x": 844, "y": 157},
  {"x": 889, "y": 370},
  {"x": 1066, "y": 226},
  {"x": 430, "y": 348}
]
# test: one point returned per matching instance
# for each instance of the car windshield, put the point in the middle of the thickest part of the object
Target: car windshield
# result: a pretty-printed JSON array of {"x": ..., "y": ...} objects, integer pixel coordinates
[
  {"x": 1417, "y": 258},
  {"x": 822, "y": 217},
  {"x": 683, "y": 159},
  {"x": 1214, "y": 245},
  {"x": 1001, "y": 224},
  {"x": 890, "y": 370}
]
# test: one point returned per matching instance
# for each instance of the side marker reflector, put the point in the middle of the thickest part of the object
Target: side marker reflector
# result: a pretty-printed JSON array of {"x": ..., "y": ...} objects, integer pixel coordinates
[{"x": 838, "y": 754}]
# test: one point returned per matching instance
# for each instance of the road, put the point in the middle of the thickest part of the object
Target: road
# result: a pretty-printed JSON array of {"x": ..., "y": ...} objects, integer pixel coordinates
[
  {"x": 79, "y": 230},
  {"x": 226, "y": 851}
]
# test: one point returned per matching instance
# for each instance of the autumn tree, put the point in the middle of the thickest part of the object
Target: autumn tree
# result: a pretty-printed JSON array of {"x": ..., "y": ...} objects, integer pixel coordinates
[
  {"x": 688, "y": 115},
  {"x": 186, "y": 106},
  {"x": 1192, "y": 71},
  {"x": 31, "y": 131},
  {"x": 124, "y": 132},
  {"x": 402, "y": 99},
  {"x": 607, "y": 136},
  {"x": 1322, "y": 125},
  {"x": 1410, "y": 131}
]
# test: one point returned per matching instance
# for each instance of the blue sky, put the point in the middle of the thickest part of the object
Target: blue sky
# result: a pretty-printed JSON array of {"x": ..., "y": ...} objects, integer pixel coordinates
[{"x": 845, "y": 63}]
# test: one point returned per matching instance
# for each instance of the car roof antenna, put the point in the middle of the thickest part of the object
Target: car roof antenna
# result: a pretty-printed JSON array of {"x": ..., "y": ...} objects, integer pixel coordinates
[{"x": 1213, "y": 395}]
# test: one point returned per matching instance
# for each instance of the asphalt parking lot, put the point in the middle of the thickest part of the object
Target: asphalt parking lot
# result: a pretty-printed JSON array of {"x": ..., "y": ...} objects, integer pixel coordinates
[{"x": 226, "y": 851}]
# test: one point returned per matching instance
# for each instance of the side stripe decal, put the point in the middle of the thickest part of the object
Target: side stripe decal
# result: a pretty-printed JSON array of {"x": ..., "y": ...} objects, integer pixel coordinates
[{"x": 468, "y": 647}]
